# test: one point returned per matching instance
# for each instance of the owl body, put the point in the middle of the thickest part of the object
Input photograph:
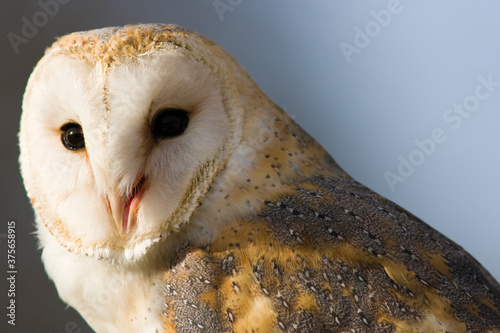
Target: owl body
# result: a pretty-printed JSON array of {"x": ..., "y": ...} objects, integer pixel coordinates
[{"x": 172, "y": 195}]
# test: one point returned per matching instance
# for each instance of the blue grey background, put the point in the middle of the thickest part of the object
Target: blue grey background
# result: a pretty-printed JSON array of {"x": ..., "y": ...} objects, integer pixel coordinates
[{"x": 408, "y": 71}]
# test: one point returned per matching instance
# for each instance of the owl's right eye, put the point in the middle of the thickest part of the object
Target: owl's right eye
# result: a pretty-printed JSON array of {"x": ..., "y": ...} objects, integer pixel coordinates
[{"x": 72, "y": 136}]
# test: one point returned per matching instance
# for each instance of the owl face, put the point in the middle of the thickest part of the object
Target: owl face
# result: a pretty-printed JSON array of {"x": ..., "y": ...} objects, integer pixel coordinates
[{"x": 118, "y": 152}]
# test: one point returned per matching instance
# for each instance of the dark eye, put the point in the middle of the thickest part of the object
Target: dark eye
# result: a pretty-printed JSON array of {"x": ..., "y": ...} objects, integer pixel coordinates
[
  {"x": 72, "y": 136},
  {"x": 169, "y": 123}
]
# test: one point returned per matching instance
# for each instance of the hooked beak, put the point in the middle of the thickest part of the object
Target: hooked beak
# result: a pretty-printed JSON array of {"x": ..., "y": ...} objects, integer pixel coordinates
[{"x": 124, "y": 209}]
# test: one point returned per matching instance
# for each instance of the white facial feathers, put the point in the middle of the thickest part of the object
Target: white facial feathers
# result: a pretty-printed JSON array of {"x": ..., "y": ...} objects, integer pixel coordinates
[{"x": 126, "y": 189}]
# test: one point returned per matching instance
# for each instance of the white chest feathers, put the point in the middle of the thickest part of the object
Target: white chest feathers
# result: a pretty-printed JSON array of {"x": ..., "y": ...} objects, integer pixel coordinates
[{"x": 110, "y": 299}]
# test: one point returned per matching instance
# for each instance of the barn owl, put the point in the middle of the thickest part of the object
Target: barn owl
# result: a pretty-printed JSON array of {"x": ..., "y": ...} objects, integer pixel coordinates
[{"x": 172, "y": 195}]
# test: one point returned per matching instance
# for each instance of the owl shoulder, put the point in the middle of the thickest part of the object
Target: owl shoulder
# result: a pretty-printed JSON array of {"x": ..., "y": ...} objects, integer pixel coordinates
[{"x": 331, "y": 254}]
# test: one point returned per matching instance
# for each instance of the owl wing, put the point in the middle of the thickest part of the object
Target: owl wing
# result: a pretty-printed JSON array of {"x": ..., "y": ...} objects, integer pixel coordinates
[{"x": 331, "y": 256}]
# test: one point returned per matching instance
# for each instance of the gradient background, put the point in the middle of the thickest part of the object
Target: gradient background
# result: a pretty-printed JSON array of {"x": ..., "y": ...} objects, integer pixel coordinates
[{"x": 366, "y": 112}]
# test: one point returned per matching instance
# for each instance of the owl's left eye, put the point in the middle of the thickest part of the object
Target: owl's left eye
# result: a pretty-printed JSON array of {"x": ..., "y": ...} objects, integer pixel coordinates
[
  {"x": 169, "y": 123},
  {"x": 72, "y": 136}
]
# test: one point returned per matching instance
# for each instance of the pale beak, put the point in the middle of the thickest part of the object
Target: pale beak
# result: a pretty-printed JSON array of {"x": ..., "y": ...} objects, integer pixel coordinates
[
  {"x": 124, "y": 209},
  {"x": 116, "y": 205}
]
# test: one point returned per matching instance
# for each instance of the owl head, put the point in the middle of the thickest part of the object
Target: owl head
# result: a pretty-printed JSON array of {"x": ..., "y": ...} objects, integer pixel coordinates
[
  {"x": 125, "y": 130},
  {"x": 122, "y": 133}
]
